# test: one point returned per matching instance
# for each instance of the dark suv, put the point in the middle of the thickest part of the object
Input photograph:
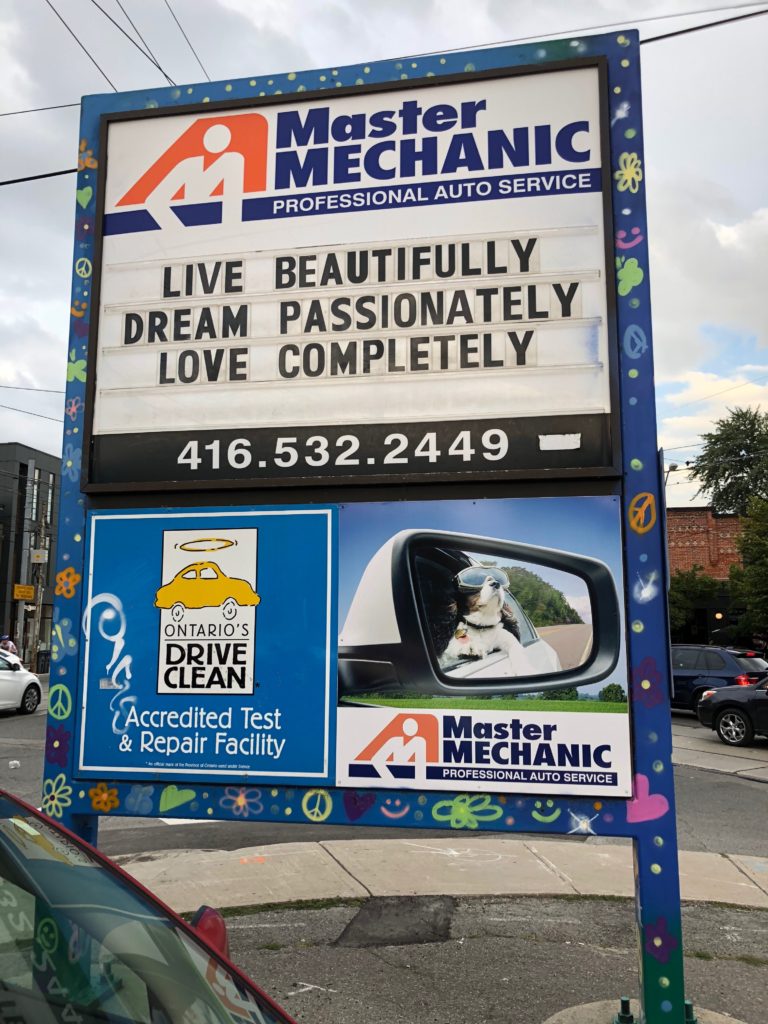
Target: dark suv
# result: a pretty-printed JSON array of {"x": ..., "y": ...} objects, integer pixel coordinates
[{"x": 696, "y": 669}]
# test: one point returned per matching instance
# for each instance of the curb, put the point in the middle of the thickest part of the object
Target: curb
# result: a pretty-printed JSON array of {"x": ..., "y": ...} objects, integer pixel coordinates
[{"x": 463, "y": 866}]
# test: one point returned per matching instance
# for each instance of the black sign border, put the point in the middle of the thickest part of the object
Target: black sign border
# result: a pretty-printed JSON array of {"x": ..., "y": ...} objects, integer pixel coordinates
[{"x": 611, "y": 469}]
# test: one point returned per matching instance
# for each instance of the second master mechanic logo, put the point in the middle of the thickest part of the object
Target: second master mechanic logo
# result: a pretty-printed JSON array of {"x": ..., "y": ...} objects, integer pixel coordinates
[
  {"x": 201, "y": 178},
  {"x": 401, "y": 750},
  {"x": 207, "y": 608}
]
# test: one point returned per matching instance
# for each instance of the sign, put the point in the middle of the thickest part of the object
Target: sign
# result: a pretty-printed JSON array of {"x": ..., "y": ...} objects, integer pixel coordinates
[
  {"x": 38, "y": 556},
  {"x": 358, "y": 286},
  {"x": 23, "y": 592},
  {"x": 457, "y": 698},
  {"x": 408, "y": 290},
  {"x": 207, "y": 647}
]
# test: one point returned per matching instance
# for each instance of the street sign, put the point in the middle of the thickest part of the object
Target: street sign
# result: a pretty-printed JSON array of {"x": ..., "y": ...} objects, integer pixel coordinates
[
  {"x": 23, "y": 592},
  {"x": 375, "y": 343}
]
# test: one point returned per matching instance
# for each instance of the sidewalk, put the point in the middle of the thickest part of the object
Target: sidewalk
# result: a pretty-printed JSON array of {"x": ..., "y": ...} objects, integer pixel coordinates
[
  {"x": 697, "y": 747},
  {"x": 464, "y": 866}
]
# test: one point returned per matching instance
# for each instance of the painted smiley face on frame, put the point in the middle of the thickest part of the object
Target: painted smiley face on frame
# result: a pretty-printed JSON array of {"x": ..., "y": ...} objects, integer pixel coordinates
[
  {"x": 394, "y": 808},
  {"x": 621, "y": 236}
]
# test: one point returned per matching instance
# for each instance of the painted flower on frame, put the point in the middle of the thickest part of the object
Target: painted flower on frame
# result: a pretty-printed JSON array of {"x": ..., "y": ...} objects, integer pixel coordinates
[
  {"x": 139, "y": 800},
  {"x": 73, "y": 407},
  {"x": 103, "y": 798},
  {"x": 57, "y": 796},
  {"x": 241, "y": 802},
  {"x": 466, "y": 811},
  {"x": 66, "y": 582},
  {"x": 62, "y": 640},
  {"x": 71, "y": 462},
  {"x": 630, "y": 173},
  {"x": 57, "y": 745},
  {"x": 659, "y": 942},
  {"x": 85, "y": 157},
  {"x": 75, "y": 368},
  {"x": 646, "y": 683}
]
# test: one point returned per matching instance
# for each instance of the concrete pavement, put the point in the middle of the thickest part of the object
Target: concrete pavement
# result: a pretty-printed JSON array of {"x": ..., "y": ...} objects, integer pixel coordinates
[
  {"x": 460, "y": 866},
  {"x": 698, "y": 747}
]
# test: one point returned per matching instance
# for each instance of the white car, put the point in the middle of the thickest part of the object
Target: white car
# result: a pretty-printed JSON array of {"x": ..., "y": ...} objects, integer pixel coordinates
[{"x": 19, "y": 690}]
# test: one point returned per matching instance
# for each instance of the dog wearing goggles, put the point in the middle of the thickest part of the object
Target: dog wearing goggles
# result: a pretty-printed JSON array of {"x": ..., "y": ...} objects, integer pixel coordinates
[{"x": 482, "y": 623}]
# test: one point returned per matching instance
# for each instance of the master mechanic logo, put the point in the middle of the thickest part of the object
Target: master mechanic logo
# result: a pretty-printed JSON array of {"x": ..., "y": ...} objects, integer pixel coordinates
[
  {"x": 201, "y": 178},
  {"x": 401, "y": 750}
]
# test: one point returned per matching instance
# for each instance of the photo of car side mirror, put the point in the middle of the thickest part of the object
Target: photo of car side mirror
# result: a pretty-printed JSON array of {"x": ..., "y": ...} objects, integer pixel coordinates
[{"x": 447, "y": 614}]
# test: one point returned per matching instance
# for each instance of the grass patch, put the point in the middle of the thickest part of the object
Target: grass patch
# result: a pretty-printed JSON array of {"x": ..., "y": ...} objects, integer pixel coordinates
[
  {"x": 493, "y": 704},
  {"x": 740, "y": 958},
  {"x": 272, "y": 945}
]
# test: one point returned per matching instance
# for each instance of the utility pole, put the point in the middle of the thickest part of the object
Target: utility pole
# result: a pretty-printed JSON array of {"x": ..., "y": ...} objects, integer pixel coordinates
[
  {"x": 39, "y": 569},
  {"x": 25, "y": 546}
]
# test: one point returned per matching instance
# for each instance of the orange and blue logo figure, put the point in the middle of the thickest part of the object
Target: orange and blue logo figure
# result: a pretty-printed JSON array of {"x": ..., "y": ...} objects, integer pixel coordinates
[
  {"x": 208, "y": 169},
  {"x": 403, "y": 748}
]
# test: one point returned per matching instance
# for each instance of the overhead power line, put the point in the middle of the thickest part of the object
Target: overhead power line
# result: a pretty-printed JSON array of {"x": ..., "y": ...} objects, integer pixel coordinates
[
  {"x": 19, "y": 387},
  {"x": 500, "y": 42},
  {"x": 565, "y": 33},
  {"x": 37, "y": 110},
  {"x": 722, "y": 391},
  {"x": 746, "y": 457},
  {"x": 141, "y": 37},
  {"x": 27, "y": 412},
  {"x": 189, "y": 44},
  {"x": 698, "y": 28},
  {"x": 133, "y": 42},
  {"x": 82, "y": 46},
  {"x": 457, "y": 49},
  {"x": 37, "y": 177}
]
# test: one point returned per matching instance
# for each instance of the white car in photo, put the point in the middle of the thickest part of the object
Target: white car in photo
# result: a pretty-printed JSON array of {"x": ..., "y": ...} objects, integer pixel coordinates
[{"x": 19, "y": 690}]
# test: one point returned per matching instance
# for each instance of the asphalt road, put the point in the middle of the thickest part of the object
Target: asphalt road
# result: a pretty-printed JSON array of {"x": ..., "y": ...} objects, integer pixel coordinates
[
  {"x": 572, "y": 643},
  {"x": 437, "y": 959},
  {"x": 715, "y": 812}
]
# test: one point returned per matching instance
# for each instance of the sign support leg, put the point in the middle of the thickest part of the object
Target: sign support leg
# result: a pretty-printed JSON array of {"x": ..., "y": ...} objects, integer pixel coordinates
[
  {"x": 657, "y": 901},
  {"x": 85, "y": 826}
]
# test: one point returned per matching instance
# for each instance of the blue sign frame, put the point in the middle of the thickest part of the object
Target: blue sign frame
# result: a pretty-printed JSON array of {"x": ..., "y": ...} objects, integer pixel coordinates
[{"x": 648, "y": 818}]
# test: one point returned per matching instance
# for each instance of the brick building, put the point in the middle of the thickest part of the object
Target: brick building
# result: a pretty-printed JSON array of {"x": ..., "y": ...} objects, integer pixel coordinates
[{"x": 695, "y": 536}]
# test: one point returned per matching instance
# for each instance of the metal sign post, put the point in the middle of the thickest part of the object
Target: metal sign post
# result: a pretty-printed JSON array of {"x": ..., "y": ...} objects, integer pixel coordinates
[{"x": 369, "y": 510}]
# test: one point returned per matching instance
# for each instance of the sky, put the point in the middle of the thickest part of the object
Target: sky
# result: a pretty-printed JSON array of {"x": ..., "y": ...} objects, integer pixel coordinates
[{"x": 705, "y": 107}]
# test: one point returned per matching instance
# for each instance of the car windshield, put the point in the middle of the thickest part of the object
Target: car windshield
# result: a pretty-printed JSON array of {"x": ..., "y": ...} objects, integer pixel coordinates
[{"x": 80, "y": 945}]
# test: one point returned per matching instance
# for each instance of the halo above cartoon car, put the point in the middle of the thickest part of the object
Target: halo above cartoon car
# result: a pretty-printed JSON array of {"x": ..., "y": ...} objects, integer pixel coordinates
[{"x": 204, "y": 585}]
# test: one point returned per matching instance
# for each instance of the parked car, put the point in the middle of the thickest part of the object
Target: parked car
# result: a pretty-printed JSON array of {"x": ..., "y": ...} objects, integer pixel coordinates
[
  {"x": 19, "y": 690},
  {"x": 736, "y": 713},
  {"x": 696, "y": 669},
  {"x": 83, "y": 942}
]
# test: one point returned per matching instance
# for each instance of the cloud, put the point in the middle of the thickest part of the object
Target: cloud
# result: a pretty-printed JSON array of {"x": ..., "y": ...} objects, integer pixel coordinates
[
  {"x": 703, "y": 274},
  {"x": 705, "y": 160},
  {"x": 582, "y": 604}
]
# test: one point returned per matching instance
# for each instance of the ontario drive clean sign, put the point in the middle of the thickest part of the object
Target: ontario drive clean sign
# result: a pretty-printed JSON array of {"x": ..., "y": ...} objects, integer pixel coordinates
[
  {"x": 203, "y": 650},
  {"x": 370, "y": 286}
]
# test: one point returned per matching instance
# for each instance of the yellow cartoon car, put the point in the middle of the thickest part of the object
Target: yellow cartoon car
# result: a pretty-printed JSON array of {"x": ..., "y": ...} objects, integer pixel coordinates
[{"x": 204, "y": 585}]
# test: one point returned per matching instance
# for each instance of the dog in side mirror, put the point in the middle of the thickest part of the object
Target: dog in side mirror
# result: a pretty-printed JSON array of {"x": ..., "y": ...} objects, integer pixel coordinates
[{"x": 479, "y": 622}]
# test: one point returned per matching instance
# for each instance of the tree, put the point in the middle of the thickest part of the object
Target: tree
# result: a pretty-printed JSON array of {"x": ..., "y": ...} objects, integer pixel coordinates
[
  {"x": 733, "y": 467},
  {"x": 543, "y": 604},
  {"x": 689, "y": 591},
  {"x": 569, "y": 693},
  {"x": 752, "y": 581},
  {"x": 613, "y": 693}
]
